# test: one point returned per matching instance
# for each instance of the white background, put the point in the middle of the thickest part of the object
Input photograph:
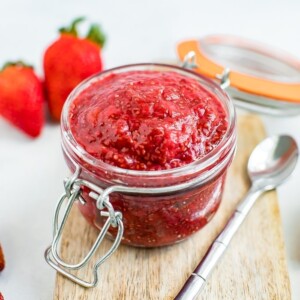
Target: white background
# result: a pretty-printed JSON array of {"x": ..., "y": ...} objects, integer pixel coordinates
[{"x": 31, "y": 171}]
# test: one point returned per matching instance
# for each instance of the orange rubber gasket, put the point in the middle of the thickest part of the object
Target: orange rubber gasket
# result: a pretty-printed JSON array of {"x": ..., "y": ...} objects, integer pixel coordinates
[{"x": 253, "y": 85}]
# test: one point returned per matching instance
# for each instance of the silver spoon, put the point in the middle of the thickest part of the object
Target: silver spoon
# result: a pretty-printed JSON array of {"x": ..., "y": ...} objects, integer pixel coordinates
[{"x": 270, "y": 164}]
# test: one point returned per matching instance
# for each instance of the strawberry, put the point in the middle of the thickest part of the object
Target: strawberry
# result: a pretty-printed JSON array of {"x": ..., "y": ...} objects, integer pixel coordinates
[
  {"x": 2, "y": 261},
  {"x": 21, "y": 98},
  {"x": 1, "y": 297},
  {"x": 68, "y": 61}
]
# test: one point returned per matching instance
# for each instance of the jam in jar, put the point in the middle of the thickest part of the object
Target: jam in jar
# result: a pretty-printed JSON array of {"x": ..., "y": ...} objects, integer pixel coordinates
[{"x": 157, "y": 127}]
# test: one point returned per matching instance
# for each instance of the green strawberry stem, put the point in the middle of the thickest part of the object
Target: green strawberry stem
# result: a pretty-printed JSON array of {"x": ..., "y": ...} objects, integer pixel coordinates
[
  {"x": 72, "y": 29},
  {"x": 18, "y": 63},
  {"x": 96, "y": 35}
]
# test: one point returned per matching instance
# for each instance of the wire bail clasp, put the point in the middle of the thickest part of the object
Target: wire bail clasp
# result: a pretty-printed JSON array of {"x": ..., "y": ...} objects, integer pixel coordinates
[
  {"x": 224, "y": 79},
  {"x": 189, "y": 61},
  {"x": 73, "y": 188}
]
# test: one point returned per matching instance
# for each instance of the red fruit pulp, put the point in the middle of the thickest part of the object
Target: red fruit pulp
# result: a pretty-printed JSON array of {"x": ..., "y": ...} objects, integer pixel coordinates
[
  {"x": 151, "y": 221},
  {"x": 147, "y": 120}
]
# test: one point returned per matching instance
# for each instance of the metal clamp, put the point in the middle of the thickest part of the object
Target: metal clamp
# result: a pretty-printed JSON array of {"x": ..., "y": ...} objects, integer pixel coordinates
[
  {"x": 73, "y": 186},
  {"x": 189, "y": 62},
  {"x": 224, "y": 79}
]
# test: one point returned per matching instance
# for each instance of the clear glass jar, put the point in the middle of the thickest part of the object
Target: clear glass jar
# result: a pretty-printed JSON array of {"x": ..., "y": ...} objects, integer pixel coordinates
[{"x": 177, "y": 202}]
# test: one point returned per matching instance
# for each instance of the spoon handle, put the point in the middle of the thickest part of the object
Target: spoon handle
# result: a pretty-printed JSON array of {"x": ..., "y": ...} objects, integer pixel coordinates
[{"x": 197, "y": 279}]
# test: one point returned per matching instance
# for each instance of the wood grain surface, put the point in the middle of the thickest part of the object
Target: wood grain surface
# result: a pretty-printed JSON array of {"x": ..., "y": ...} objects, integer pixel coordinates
[{"x": 254, "y": 266}]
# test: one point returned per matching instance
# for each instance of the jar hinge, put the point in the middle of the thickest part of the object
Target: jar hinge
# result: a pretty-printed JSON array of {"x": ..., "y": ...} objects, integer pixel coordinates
[{"x": 73, "y": 188}]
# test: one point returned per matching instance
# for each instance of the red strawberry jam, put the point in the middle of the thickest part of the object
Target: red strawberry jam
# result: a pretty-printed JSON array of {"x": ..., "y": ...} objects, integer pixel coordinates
[{"x": 146, "y": 120}]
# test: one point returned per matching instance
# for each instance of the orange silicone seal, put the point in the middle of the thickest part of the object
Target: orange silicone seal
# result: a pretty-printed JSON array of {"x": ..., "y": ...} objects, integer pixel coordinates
[{"x": 276, "y": 90}]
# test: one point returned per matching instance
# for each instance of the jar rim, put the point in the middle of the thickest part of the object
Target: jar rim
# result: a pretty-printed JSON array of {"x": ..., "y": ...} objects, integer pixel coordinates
[{"x": 195, "y": 166}]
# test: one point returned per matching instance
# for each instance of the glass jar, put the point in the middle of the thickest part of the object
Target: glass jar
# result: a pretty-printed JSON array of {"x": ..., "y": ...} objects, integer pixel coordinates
[{"x": 158, "y": 207}]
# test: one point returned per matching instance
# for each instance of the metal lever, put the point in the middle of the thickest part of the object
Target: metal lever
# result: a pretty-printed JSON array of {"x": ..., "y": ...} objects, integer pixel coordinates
[{"x": 72, "y": 193}]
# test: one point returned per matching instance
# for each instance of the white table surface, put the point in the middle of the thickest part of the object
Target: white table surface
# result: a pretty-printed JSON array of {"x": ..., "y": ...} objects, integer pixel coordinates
[{"x": 31, "y": 171}]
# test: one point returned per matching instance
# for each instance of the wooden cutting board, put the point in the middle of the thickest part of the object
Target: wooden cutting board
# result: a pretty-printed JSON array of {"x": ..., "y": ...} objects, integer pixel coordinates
[{"x": 254, "y": 266}]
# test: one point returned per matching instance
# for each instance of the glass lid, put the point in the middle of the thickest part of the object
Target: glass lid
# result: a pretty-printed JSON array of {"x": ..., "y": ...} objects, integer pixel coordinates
[
  {"x": 251, "y": 58},
  {"x": 262, "y": 78}
]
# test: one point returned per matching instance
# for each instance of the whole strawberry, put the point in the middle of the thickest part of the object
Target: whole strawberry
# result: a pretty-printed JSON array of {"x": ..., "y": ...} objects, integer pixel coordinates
[
  {"x": 21, "y": 98},
  {"x": 68, "y": 61}
]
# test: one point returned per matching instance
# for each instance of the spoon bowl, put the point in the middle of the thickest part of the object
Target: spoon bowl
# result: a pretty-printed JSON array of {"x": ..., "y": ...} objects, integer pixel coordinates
[{"x": 272, "y": 161}]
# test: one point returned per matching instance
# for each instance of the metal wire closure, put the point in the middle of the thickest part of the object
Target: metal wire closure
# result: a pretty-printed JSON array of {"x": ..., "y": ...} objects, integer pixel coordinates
[
  {"x": 73, "y": 186},
  {"x": 189, "y": 62},
  {"x": 224, "y": 78}
]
